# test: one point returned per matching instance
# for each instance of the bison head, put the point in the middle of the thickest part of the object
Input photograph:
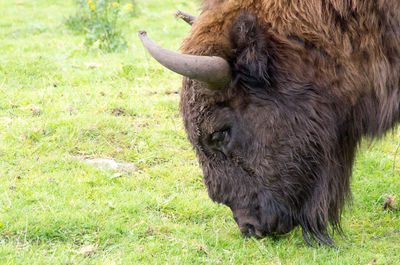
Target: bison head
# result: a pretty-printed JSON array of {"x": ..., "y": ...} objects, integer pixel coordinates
[{"x": 272, "y": 137}]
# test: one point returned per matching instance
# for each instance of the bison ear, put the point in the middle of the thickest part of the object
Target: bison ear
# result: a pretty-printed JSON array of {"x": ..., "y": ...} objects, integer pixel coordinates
[{"x": 251, "y": 60}]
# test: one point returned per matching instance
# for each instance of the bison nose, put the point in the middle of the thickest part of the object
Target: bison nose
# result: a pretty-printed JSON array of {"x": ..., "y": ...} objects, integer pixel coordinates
[
  {"x": 248, "y": 224},
  {"x": 250, "y": 231},
  {"x": 251, "y": 225}
]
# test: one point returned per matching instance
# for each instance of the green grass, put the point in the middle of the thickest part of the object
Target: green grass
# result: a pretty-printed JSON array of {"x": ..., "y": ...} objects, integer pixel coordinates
[{"x": 55, "y": 110}]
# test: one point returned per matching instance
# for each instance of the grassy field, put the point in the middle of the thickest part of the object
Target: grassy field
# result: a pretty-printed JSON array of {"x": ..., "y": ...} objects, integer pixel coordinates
[{"x": 61, "y": 104}]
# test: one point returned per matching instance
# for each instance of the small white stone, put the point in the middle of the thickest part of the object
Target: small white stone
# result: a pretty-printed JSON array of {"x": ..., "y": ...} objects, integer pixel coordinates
[
  {"x": 102, "y": 163},
  {"x": 110, "y": 164}
]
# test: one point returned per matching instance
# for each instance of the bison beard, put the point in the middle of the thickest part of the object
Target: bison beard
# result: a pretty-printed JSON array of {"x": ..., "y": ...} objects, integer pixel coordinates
[{"x": 277, "y": 143}]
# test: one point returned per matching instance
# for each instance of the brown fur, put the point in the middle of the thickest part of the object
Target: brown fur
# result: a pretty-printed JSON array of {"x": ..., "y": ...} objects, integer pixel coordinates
[
  {"x": 310, "y": 79},
  {"x": 362, "y": 35}
]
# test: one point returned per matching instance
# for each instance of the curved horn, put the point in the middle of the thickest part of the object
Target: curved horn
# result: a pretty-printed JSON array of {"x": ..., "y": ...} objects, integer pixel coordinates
[{"x": 213, "y": 70}]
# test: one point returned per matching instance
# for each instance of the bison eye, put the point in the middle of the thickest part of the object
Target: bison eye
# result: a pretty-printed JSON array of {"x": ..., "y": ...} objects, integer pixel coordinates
[{"x": 220, "y": 138}]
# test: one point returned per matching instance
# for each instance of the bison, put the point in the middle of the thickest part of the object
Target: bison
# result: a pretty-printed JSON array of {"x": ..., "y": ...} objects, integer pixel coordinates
[{"x": 276, "y": 96}]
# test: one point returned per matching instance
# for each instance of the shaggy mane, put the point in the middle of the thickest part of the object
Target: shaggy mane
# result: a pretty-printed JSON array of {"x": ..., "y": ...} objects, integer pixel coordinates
[{"x": 332, "y": 66}]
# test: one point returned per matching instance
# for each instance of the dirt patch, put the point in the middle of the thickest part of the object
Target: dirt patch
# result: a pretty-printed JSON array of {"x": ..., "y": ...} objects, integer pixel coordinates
[
  {"x": 118, "y": 112},
  {"x": 87, "y": 250}
]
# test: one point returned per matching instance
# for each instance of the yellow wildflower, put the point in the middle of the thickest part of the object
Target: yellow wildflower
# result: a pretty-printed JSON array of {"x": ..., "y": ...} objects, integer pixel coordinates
[
  {"x": 92, "y": 6},
  {"x": 115, "y": 4},
  {"x": 128, "y": 6},
  {"x": 90, "y": 3}
]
